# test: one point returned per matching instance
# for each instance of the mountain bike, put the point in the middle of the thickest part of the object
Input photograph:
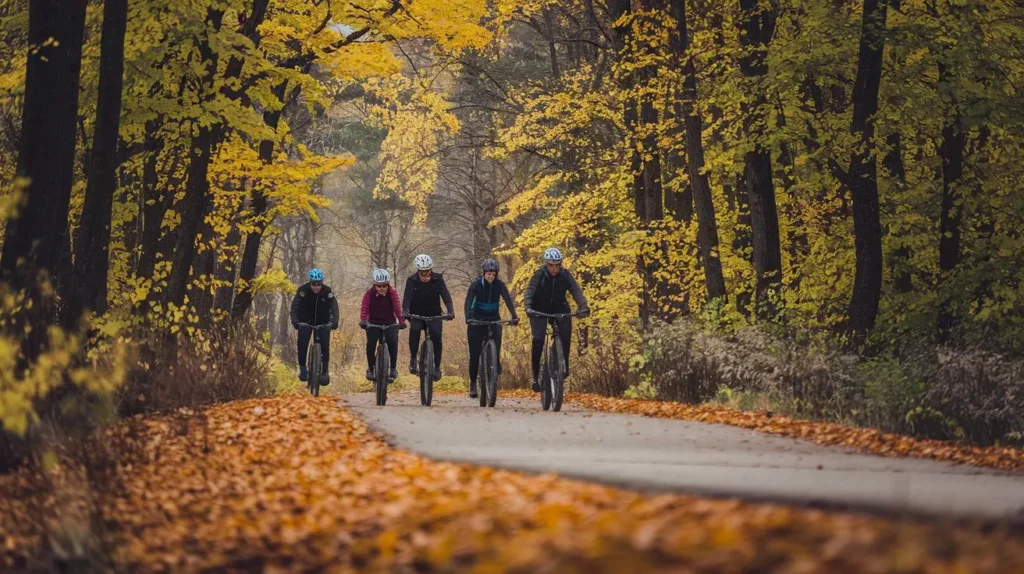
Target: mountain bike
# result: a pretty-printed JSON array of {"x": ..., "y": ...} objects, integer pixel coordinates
[
  {"x": 426, "y": 367},
  {"x": 488, "y": 363},
  {"x": 315, "y": 359},
  {"x": 382, "y": 370},
  {"x": 552, "y": 373}
]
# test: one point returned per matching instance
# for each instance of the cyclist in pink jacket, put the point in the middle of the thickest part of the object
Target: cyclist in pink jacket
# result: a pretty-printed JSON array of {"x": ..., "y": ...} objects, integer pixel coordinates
[{"x": 381, "y": 306}]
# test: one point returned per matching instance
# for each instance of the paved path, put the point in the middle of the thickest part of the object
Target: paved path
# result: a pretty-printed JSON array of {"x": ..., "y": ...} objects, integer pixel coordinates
[{"x": 682, "y": 456}]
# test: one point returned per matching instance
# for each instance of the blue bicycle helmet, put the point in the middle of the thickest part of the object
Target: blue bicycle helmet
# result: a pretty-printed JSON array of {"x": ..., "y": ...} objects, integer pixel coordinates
[{"x": 315, "y": 275}]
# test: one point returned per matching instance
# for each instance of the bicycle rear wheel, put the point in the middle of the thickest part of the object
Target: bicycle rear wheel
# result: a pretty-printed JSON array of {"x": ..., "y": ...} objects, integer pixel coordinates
[
  {"x": 315, "y": 368},
  {"x": 383, "y": 367},
  {"x": 489, "y": 382},
  {"x": 426, "y": 372},
  {"x": 545, "y": 384},
  {"x": 557, "y": 374}
]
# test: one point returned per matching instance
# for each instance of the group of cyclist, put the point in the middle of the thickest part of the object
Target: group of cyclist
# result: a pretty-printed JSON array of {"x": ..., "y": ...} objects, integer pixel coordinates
[{"x": 425, "y": 291}]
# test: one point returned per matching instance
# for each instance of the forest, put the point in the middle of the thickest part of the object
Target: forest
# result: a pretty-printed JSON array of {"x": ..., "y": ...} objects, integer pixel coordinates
[{"x": 805, "y": 205}]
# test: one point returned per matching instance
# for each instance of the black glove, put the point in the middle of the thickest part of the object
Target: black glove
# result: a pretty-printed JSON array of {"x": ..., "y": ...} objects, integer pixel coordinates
[
  {"x": 334, "y": 326},
  {"x": 449, "y": 317},
  {"x": 403, "y": 325},
  {"x": 295, "y": 326},
  {"x": 583, "y": 313},
  {"x": 514, "y": 321},
  {"x": 529, "y": 312},
  {"x": 362, "y": 325}
]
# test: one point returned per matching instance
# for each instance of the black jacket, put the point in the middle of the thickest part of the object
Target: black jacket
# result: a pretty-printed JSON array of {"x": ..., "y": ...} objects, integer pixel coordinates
[
  {"x": 425, "y": 299},
  {"x": 483, "y": 300},
  {"x": 547, "y": 294},
  {"x": 315, "y": 308}
]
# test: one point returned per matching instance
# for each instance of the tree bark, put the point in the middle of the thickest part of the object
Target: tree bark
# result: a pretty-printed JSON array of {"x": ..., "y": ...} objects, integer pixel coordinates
[
  {"x": 954, "y": 141},
  {"x": 707, "y": 224},
  {"x": 757, "y": 25},
  {"x": 863, "y": 176},
  {"x": 35, "y": 241},
  {"x": 92, "y": 243},
  {"x": 900, "y": 262}
]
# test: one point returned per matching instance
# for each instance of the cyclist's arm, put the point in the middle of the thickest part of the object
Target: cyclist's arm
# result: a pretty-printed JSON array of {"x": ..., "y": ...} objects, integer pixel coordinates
[
  {"x": 296, "y": 305},
  {"x": 509, "y": 302},
  {"x": 467, "y": 310},
  {"x": 407, "y": 297},
  {"x": 335, "y": 313},
  {"x": 396, "y": 306},
  {"x": 532, "y": 288},
  {"x": 447, "y": 297},
  {"x": 576, "y": 291},
  {"x": 364, "y": 308}
]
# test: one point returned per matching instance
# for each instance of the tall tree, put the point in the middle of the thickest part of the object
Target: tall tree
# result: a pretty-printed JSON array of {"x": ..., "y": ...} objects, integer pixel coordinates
[
  {"x": 92, "y": 243},
  {"x": 757, "y": 24},
  {"x": 707, "y": 225},
  {"x": 863, "y": 174}
]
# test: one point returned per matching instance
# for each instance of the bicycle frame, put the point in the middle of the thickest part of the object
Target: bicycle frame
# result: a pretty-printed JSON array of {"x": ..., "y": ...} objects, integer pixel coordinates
[
  {"x": 381, "y": 378},
  {"x": 427, "y": 373},
  {"x": 314, "y": 342},
  {"x": 551, "y": 394}
]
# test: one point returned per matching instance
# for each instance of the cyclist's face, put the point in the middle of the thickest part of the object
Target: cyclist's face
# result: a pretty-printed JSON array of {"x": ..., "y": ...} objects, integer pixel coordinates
[
  {"x": 490, "y": 276},
  {"x": 425, "y": 275},
  {"x": 382, "y": 288},
  {"x": 316, "y": 286},
  {"x": 554, "y": 268}
]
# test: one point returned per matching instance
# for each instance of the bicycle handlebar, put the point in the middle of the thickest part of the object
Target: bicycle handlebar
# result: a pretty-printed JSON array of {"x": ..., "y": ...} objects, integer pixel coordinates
[
  {"x": 381, "y": 327},
  {"x": 314, "y": 326},
  {"x": 448, "y": 317},
  {"x": 498, "y": 322},
  {"x": 532, "y": 313}
]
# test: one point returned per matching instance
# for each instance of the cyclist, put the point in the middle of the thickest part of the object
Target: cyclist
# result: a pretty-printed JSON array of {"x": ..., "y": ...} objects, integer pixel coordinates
[
  {"x": 424, "y": 291},
  {"x": 546, "y": 294},
  {"x": 482, "y": 303},
  {"x": 382, "y": 307},
  {"x": 314, "y": 304}
]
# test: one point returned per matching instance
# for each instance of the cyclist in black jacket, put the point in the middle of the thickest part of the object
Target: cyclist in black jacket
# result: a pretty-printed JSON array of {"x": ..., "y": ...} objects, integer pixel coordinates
[
  {"x": 424, "y": 291},
  {"x": 314, "y": 304},
  {"x": 546, "y": 293},
  {"x": 483, "y": 302}
]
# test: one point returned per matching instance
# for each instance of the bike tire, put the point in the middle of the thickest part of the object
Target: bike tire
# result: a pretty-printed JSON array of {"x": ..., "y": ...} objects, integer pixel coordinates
[
  {"x": 558, "y": 375},
  {"x": 315, "y": 367},
  {"x": 427, "y": 373},
  {"x": 383, "y": 367},
  {"x": 489, "y": 384},
  {"x": 545, "y": 385}
]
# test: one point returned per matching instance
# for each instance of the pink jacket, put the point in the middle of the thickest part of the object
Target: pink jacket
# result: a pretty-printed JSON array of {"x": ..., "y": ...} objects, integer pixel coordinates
[{"x": 373, "y": 302}]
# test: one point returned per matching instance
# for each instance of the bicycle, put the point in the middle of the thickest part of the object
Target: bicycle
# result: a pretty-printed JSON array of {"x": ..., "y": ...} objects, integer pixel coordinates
[
  {"x": 489, "y": 363},
  {"x": 552, "y": 374},
  {"x": 314, "y": 359},
  {"x": 426, "y": 367},
  {"x": 381, "y": 375}
]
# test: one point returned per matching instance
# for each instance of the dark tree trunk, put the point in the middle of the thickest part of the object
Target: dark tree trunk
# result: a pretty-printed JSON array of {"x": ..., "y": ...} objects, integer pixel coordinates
[
  {"x": 155, "y": 206},
  {"x": 900, "y": 263},
  {"x": 35, "y": 241},
  {"x": 227, "y": 271},
  {"x": 92, "y": 243},
  {"x": 193, "y": 205},
  {"x": 863, "y": 176},
  {"x": 707, "y": 224},
  {"x": 951, "y": 151},
  {"x": 756, "y": 29}
]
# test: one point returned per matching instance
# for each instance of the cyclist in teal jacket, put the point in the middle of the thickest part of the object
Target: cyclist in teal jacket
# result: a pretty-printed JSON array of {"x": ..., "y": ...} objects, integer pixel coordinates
[{"x": 483, "y": 304}]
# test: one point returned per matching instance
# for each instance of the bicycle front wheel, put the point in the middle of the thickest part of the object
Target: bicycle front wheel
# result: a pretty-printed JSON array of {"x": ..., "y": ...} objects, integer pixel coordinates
[
  {"x": 383, "y": 367},
  {"x": 557, "y": 371},
  {"x": 426, "y": 372},
  {"x": 316, "y": 367},
  {"x": 489, "y": 384}
]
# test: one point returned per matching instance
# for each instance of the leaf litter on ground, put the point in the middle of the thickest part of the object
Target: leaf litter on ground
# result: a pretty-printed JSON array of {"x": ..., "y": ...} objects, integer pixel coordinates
[{"x": 300, "y": 484}]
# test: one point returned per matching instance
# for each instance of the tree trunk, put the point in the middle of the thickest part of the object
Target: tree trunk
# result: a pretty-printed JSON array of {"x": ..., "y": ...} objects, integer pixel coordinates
[
  {"x": 863, "y": 176},
  {"x": 951, "y": 151},
  {"x": 756, "y": 29},
  {"x": 92, "y": 243},
  {"x": 707, "y": 225},
  {"x": 900, "y": 262}
]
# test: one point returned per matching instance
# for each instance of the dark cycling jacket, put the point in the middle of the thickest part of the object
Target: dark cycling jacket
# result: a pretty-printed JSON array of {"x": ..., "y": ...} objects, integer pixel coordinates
[
  {"x": 547, "y": 294},
  {"x": 483, "y": 300},
  {"x": 425, "y": 299},
  {"x": 313, "y": 308}
]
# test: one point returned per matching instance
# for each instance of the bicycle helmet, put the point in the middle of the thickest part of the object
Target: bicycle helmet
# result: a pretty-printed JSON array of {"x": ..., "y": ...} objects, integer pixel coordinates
[
  {"x": 315, "y": 275},
  {"x": 424, "y": 262},
  {"x": 490, "y": 265},
  {"x": 381, "y": 276},
  {"x": 552, "y": 255}
]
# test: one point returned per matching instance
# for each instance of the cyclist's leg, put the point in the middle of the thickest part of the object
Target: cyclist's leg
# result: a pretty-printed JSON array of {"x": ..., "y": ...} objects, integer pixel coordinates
[
  {"x": 391, "y": 336},
  {"x": 497, "y": 344},
  {"x": 538, "y": 327},
  {"x": 415, "y": 327},
  {"x": 325, "y": 351},
  {"x": 435, "y": 335},
  {"x": 372, "y": 336},
  {"x": 304, "y": 334},
  {"x": 476, "y": 342},
  {"x": 565, "y": 331}
]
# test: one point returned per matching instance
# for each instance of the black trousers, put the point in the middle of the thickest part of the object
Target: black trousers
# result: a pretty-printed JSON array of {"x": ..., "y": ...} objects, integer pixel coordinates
[
  {"x": 416, "y": 326},
  {"x": 538, "y": 327},
  {"x": 325, "y": 345},
  {"x": 372, "y": 337},
  {"x": 477, "y": 334}
]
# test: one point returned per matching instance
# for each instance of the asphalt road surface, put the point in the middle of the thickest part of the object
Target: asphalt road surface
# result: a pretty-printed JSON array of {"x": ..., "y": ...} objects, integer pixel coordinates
[{"x": 681, "y": 456}]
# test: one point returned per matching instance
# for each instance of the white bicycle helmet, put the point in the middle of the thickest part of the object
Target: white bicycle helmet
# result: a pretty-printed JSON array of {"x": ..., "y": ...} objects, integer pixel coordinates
[
  {"x": 552, "y": 255},
  {"x": 381, "y": 276},
  {"x": 424, "y": 262}
]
